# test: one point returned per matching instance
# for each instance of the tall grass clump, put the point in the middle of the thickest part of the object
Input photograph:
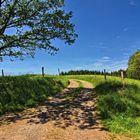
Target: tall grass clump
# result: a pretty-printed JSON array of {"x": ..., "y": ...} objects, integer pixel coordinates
[{"x": 19, "y": 92}]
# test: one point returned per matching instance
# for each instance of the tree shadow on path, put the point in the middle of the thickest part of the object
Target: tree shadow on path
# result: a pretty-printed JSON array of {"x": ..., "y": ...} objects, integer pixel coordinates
[{"x": 73, "y": 107}]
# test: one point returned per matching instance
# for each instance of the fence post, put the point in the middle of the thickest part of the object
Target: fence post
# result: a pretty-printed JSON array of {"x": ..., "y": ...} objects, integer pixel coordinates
[
  {"x": 43, "y": 73},
  {"x": 122, "y": 77},
  {"x": 2, "y": 72},
  {"x": 58, "y": 71},
  {"x": 105, "y": 74}
]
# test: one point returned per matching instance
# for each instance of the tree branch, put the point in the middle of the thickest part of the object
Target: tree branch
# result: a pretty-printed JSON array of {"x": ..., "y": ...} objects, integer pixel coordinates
[
  {"x": 2, "y": 30},
  {"x": 1, "y": 2}
]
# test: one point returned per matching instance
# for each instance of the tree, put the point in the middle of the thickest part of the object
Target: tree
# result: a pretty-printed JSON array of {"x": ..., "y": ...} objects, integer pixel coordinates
[
  {"x": 133, "y": 70},
  {"x": 26, "y": 25}
]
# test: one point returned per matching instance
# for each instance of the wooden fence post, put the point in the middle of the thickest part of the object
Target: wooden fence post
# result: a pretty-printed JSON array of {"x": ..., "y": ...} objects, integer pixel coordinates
[
  {"x": 2, "y": 72},
  {"x": 105, "y": 74},
  {"x": 43, "y": 73},
  {"x": 58, "y": 71},
  {"x": 122, "y": 77}
]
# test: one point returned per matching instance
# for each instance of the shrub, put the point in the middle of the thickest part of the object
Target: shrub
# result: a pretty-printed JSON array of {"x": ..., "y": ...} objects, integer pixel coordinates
[{"x": 133, "y": 70}]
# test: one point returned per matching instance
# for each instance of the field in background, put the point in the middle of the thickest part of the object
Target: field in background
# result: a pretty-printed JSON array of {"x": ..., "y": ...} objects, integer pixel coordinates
[{"x": 119, "y": 108}]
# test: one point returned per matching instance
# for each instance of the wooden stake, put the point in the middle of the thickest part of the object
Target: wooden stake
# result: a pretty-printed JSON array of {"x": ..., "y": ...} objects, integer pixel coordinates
[
  {"x": 58, "y": 71},
  {"x": 105, "y": 74},
  {"x": 43, "y": 73},
  {"x": 122, "y": 77},
  {"x": 2, "y": 72}
]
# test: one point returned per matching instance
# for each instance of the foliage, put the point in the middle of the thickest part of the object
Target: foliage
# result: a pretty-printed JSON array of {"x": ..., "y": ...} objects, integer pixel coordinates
[
  {"x": 26, "y": 25},
  {"x": 19, "y": 92},
  {"x": 133, "y": 70},
  {"x": 91, "y": 72},
  {"x": 82, "y": 72}
]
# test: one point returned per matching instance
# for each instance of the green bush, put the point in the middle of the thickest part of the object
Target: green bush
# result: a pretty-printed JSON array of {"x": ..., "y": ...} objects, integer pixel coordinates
[{"x": 133, "y": 70}]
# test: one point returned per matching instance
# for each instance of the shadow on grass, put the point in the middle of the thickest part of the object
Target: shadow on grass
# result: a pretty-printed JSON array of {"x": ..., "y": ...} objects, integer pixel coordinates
[{"x": 73, "y": 107}]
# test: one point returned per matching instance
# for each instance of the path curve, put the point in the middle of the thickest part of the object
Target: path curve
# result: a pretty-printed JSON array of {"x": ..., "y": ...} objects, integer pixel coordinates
[
  {"x": 86, "y": 84},
  {"x": 73, "y": 84}
]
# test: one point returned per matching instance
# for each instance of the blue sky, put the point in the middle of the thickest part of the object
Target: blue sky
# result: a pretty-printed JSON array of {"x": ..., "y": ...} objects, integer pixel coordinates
[{"x": 109, "y": 33}]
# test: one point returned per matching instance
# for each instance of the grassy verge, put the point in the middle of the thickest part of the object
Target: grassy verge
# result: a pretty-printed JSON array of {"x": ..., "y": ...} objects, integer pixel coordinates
[
  {"x": 63, "y": 79},
  {"x": 19, "y": 92},
  {"x": 120, "y": 108}
]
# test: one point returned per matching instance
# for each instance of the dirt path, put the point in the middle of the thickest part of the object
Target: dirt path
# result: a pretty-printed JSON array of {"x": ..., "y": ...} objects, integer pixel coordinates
[
  {"x": 73, "y": 84},
  {"x": 86, "y": 84},
  {"x": 69, "y": 115}
]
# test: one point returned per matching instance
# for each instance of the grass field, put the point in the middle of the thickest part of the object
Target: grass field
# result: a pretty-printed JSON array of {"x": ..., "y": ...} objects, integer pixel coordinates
[{"x": 119, "y": 108}]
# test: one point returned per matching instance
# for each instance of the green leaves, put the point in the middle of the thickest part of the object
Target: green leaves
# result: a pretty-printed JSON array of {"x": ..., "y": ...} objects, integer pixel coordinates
[
  {"x": 34, "y": 24},
  {"x": 134, "y": 66}
]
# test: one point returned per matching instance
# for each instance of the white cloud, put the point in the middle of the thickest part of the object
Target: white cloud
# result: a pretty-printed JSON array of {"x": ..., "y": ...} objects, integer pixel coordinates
[
  {"x": 132, "y": 3},
  {"x": 116, "y": 65},
  {"x": 118, "y": 36},
  {"x": 104, "y": 59},
  {"x": 111, "y": 65},
  {"x": 126, "y": 55},
  {"x": 101, "y": 43},
  {"x": 98, "y": 45},
  {"x": 125, "y": 29}
]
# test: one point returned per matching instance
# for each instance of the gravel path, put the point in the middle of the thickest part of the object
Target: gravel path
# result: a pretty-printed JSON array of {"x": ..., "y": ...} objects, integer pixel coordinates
[{"x": 69, "y": 115}]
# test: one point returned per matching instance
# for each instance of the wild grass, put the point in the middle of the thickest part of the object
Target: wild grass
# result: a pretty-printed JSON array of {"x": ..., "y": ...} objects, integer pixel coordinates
[
  {"x": 120, "y": 108},
  {"x": 19, "y": 92}
]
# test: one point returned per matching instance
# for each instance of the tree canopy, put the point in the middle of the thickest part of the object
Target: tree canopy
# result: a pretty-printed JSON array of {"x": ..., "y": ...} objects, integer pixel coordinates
[
  {"x": 133, "y": 70},
  {"x": 26, "y": 25}
]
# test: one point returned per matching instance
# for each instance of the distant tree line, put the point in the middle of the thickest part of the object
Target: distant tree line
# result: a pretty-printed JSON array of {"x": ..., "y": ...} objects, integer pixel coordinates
[{"x": 91, "y": 72}]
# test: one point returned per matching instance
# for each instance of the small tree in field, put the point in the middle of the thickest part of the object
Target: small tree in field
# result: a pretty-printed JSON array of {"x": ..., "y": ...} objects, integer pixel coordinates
[
  {"x": 26, "y": 25},
  {"x": 133, "y": 70}
]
